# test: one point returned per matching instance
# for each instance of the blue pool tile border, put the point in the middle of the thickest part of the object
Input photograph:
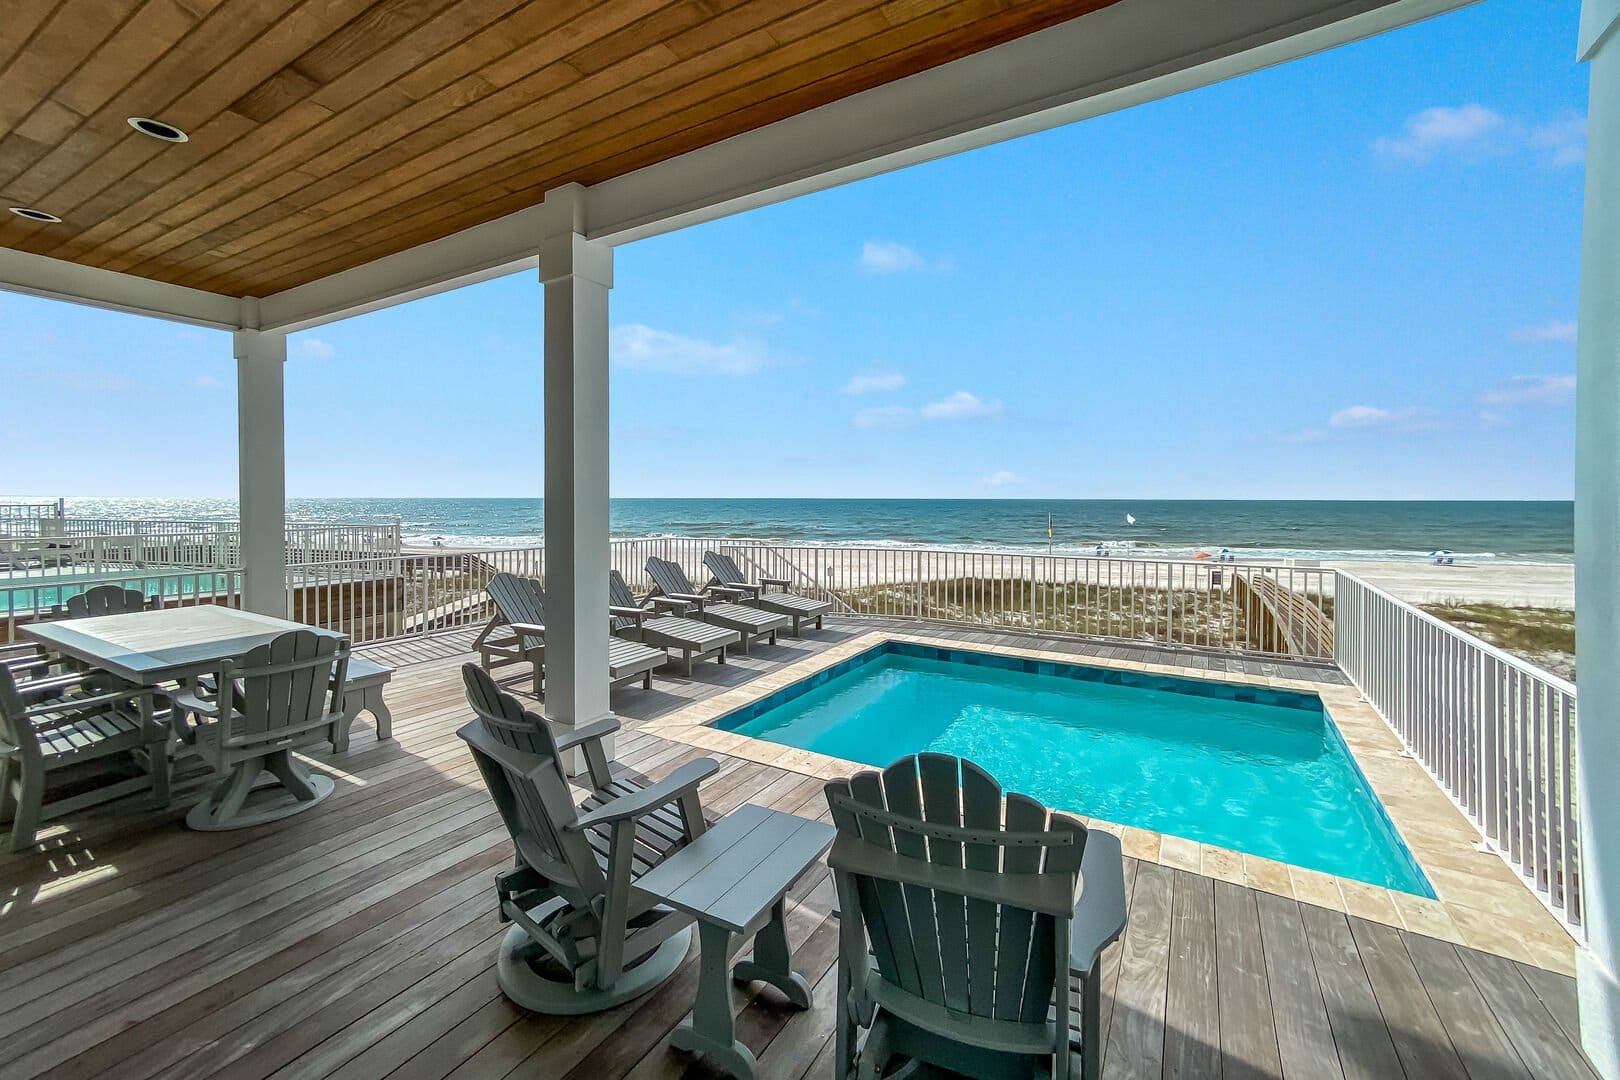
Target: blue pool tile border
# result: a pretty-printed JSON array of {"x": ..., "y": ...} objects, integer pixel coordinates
[{"x": 1254, "y": 695}]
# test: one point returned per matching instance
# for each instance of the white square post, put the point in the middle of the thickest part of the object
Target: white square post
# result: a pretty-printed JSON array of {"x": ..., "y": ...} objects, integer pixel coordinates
[
  {"x": 261, "y": 423},
  {"x": 1597, "y": 544},
  {"x": 577, "y": 274}
]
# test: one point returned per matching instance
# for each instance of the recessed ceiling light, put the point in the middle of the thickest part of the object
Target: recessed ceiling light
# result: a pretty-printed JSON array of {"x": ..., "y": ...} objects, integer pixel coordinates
[
  {"x": 33, "y": 215},
  {"x": 158, "y": 129}
]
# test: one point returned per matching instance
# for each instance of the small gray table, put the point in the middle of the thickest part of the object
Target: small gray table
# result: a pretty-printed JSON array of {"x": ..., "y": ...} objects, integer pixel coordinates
[
  {"x": 733, "y": 880},
  {"x": 363, "y": 692}
]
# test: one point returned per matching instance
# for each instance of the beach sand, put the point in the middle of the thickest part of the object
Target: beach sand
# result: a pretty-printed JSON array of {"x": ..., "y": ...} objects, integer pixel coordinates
[{"x": 1549, "y": 585}]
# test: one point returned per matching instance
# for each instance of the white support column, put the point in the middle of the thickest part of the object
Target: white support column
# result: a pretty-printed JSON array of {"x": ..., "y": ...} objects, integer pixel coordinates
[
  {"x": 261, "y": 423},
  {"x": 1597, "y": 543},
  {"x": 577, "y": 274}
]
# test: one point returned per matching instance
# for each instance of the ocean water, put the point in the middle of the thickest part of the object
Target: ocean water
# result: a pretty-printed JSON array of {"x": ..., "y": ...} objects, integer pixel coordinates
[
  {"x": 1269, "y": 776},
  {"x": 1515, "y": 531}
]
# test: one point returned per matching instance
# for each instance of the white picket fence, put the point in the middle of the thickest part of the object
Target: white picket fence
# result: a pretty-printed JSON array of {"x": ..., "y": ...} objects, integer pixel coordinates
[{"x": 1497, "y": 732}]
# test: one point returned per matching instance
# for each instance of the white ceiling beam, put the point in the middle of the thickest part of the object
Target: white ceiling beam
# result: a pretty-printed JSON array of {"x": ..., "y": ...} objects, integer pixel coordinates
[{"x": 40, "y": 275}]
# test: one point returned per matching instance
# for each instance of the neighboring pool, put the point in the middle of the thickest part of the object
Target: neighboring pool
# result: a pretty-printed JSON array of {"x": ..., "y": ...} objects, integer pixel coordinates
[
  {"x": 41, "y": 592},
  {"x": 1247, "y": 768}
]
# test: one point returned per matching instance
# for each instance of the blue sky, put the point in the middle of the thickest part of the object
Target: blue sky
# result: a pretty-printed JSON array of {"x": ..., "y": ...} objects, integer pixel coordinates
[{"x": 1353, "y": 276}]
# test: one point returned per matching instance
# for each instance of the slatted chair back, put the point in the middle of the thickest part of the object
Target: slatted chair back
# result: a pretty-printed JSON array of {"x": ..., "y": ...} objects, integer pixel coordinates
[
  {"x": 14, "y": 726},
  {"x": 284, "y": 689},
  {"x": 669, "y": 578},
  {"x": 964, "y": 907},
  {"x": 519, "y": 600},
  {"x": 538, "y": 809},
  {"x": 619, "y": 595},
  {"x": 105, "y": 600},
  {"x": 505, "y": 718},
  {"x": 724, "y": 568}
]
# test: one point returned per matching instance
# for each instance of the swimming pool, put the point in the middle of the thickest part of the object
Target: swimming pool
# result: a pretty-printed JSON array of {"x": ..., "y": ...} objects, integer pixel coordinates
[{"x": 1248, "y": 768}]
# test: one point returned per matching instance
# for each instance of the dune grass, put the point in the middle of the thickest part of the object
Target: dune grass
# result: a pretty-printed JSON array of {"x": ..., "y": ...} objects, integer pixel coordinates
[{"x": 1544, "y": 636}]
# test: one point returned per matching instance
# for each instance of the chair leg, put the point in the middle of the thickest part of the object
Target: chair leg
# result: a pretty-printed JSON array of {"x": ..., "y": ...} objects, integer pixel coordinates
[
  {"x": 7, "y": 767},
  {"x": 30, "y": 801},
  {"x": 646, "y": 679},
  {"x": 293, "y": 776},
  {"x": 158, "y": 761}
]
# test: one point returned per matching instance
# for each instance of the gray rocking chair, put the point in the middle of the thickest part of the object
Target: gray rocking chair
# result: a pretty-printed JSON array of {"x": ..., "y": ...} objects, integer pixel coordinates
[
  {"x": 958, "y": 946},
  {"x": 798, "y": 608},
  {"x": 281, "y": 697},
  {"x": 714, "y": 604},
  {"x": 584, "y": 938}
]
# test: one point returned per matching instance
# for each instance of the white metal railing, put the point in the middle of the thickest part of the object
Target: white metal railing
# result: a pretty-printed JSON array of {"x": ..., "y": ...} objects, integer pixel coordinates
[
  {"x": 1219, "y": 606},
  {"x": 38, "y": 600},
  {"x": 29, "y": 518},
  {"x": 1497, "y": 732},
  {"x": 106, "y": 545}
]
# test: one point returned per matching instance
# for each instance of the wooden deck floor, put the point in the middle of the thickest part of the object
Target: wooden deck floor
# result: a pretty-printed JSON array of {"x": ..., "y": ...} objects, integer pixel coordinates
[{"x": 357, "y": 941}]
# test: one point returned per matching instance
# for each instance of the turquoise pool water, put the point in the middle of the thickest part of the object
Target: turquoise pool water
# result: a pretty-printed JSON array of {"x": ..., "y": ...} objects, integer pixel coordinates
[
  {"x": 1251, "y": 769},
  {"x": 22, "y": 594}
]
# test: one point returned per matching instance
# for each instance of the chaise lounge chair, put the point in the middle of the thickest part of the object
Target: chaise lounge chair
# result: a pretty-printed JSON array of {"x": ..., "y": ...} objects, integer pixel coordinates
[
  {"x": 585, "y": 939},
  {"x": 796, "y": 607},
  {"x": 714, "y": 604},
  {"x": 961, "y": 944},
  {"x": 637, "y": 623},
  {"x": 520, "y": 604}
]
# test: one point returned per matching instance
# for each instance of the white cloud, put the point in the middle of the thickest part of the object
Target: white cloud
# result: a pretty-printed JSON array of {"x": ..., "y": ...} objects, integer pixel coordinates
[
  {"x": 1005, "y": 478},
  {"x": 888, "y": 257},
  {"x": 1356, "y": 416},
  {"x": 312, "y": 348},
  {"x": 1563, "y": 141},
  {"x": 208, "y": 382},
  {"x": 1561, "y": 332},
  {"x": 1474, "y": 132},
  {"x": 868, "y": 384},
  {"x": 1489, "y": 419},
  {"x": 1532, "y": 390},
  {"x": 960, "y": 406},
  {"x": 646, "y": 349},
  {"x": 1463, "y": 129}
]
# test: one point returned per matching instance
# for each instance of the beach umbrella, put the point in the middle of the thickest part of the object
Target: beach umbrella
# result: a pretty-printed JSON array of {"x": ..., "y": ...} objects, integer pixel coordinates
[{"x": 1200, "y": 554}]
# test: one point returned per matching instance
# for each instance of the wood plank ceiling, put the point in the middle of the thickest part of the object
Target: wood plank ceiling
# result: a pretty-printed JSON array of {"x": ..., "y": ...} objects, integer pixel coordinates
[{"x": 327, "y": 133}]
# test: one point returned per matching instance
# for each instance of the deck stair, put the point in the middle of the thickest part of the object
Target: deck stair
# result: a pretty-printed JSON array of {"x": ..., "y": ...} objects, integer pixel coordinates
[{"x": 1281, "y": 620}]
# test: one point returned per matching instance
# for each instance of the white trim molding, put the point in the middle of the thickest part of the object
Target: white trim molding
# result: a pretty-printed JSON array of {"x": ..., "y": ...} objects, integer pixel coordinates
[
  {"x": 58, "y": 279},
  {"x": 1599, "y": 19}
]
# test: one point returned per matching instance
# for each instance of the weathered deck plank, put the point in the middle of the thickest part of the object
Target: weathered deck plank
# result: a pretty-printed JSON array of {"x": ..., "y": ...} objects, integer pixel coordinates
[{"x": 357, "y": 941}]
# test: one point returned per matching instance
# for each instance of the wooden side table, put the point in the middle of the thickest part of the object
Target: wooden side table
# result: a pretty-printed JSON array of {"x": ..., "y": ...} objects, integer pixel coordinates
[{"x": 733, "y": 880}]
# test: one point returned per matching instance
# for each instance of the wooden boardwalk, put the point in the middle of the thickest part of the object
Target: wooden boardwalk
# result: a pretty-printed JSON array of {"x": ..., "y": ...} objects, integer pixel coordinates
[{"x": 357, "y": 941}]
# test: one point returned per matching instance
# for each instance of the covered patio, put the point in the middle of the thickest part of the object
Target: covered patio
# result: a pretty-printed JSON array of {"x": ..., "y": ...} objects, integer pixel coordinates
[
  {"x": 314, "y": 162},
  {"x": 359, "y": 940}
]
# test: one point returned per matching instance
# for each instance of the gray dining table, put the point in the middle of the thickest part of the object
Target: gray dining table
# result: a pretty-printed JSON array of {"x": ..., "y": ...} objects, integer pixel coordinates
[{"x": 170, "y": 644}]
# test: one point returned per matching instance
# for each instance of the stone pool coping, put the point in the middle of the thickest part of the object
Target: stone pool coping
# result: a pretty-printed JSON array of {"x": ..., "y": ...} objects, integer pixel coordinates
[{"x": 1483, "y": 903}]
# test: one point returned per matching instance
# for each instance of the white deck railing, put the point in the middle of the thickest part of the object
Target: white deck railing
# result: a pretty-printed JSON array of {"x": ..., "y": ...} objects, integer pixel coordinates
[
  {"x": 106, "y": 545},
  {"x": 1497, "y": 732},
  {"x": 42, "y": 599},
  {"x": 1221, "y": 606}
]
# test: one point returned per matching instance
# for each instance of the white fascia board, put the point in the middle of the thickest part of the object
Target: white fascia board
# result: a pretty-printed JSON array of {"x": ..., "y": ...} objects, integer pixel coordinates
[
  {"x": 1599, "y": 19},
  {"x": 1130, "y": 52},
  {"x": 58, "y": 279}
]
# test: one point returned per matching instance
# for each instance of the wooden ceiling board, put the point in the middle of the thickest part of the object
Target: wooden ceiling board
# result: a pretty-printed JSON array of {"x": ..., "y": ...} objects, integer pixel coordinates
[
  {"x": 326, "y": 133},
  {"x": 462, "y": 178}
]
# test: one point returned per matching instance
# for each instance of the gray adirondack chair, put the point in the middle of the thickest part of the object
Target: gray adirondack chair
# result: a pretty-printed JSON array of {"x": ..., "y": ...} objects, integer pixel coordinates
[
  {"x": 584, "y": 938},
  {"x": 105, "y": 600},
  {"x": 794, "y": 606},
  {"x": 956, "y": 923},
  {"x": 634, "y": 621},
  {"x": 50, "y": 723},
  {"x": 715, "y": 604},
  {"x": 281, "y": 697},
  {"x": 520, "y": 605}
]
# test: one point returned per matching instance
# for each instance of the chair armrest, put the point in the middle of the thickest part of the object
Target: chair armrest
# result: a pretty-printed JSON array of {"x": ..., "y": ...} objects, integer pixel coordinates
[
  {"x": 627, "y": 612},
  {"x": 596, "y": 729},
  {"x": 779, "y": 582},
  {"x": 1099, "y": 917},
  {"x": 94, "y": 701},
  {"x": 740, "y": 592},
  {"x": 51, "y": 685},
  {"x": 187, "y": 701},
  {"x": 536, "y": 629},
  {"x": 670, "y": 789},
  {"x": 670, "y": 603},
  {"x": 21, "y": 650}
]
